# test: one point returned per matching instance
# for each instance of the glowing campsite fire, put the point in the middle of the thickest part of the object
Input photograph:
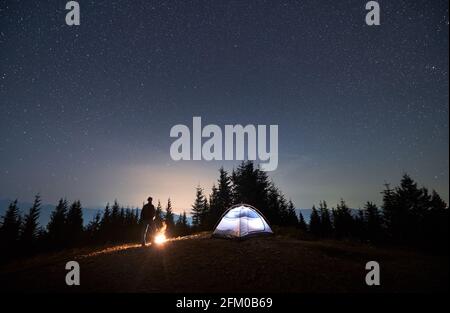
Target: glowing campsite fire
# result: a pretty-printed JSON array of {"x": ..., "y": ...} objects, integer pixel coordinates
[{"x": 160, "y": 236}]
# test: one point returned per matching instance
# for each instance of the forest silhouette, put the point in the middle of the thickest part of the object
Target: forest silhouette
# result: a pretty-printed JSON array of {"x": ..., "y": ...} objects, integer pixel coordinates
[{"x": 408, "y": 216}]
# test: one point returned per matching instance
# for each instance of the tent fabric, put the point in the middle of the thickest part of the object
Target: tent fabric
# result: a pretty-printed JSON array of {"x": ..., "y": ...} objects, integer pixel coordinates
[{"x": 241, "y": 221}]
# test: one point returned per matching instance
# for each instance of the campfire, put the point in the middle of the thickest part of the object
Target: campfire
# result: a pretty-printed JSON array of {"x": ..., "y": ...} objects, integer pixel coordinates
[{"x": 160, "y": 235}]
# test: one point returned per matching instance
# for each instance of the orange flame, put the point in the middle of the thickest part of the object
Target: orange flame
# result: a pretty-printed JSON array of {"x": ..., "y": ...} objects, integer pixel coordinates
[{"x": 160, "y": 236}]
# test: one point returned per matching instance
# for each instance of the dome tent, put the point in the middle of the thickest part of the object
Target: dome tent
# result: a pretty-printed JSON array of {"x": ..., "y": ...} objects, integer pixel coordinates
[{"x": 241, "y": 221}]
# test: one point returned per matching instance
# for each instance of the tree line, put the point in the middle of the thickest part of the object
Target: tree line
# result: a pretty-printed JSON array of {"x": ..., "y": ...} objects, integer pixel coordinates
[
  {"x": 246, "y": 184},
  {"x": 22, "y": 235},
  {"x": 409, "y": 215}
]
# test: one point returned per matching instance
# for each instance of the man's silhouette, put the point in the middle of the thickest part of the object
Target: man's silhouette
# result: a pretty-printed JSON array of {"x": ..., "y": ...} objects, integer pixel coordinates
[{"x": 147, "y": 220}]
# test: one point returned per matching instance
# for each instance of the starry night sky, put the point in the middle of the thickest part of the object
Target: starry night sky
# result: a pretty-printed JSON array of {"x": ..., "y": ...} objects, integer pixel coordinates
[{"x": 85, "y": 111}]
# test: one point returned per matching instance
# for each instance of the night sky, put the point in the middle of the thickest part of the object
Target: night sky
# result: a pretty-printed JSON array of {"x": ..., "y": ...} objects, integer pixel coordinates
[{"x": 85, "y": 111}]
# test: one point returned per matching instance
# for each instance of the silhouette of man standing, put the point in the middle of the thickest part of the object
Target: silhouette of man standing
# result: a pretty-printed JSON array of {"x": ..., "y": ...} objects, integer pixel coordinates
[{"x": 147, "y": 220}]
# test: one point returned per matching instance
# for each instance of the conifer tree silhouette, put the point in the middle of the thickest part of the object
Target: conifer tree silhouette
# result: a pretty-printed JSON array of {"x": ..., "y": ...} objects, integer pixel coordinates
[
  {"x": 169, "y": 218},
  {"x": 75, "y": 223},
  {"x": 302, "y": 223},
  {"x": 198, "y": 208},
  {"x": 315, "y": 222},
  {"x": 374, "y": 222},
  {"x": 30, "y": 227},
  {"x": 57, "y": 226},
  {"x": 10, "y": 229},
  {"x": 326, "y": 227}
]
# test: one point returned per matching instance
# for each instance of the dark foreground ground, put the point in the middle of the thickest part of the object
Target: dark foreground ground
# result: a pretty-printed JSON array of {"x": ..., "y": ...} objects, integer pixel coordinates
[{"x": 201, "y": 264}]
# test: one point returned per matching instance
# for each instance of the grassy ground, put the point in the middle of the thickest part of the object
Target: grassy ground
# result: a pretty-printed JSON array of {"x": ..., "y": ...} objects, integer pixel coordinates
[{"x": 201, "y": 264}]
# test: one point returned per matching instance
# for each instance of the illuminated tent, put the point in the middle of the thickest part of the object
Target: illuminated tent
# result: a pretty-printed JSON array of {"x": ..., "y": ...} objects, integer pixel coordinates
[{"x": 241, "y": 221}]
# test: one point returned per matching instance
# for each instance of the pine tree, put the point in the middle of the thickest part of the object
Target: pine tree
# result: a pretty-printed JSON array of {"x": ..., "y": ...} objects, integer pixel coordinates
[
  {"x": 359, "y": 229},
  {"x": 205, "y": 221},
  {"x": 169, "y": 218},
  {"x": 30, "y": 227},
  {"x": 10, "y": 229},
  {"x": 436, "y": 230},
  {"x": 137, "y": 216},
  {"x": 93, "y": 228},
  {"x": 413, "y": 216},
  {"x": 185, "y": 224},
  {"x": 115, "y": 214},
  {"x": 75, "y": 223},
  {"x": 291, "y": 215},
  {"x": 326, "y": 227},
  {"x": 343, "y": 220},
  {"x": 198, "y": 208},
  {"x": 57, "y": 231},
  {"x": 261, "y": 193},
  {"x": 436, "y": 202},
  {"x": 315, "y": 223},
  {"x": 136, "y": 228},
  {"x": 122, "y": 220},
  {"x": 224, "y": 193},
  {"x": 116, "y": 225},
  {"x": 374, "y": 222},
  {"x": 178, "y": 226},
  {"x": 250, "y": 185},
  {"x": 245, "y": 184},
  {"x": 159, "y": 215},
  {"x": 405, "y": 210},
  {"x": 390, "y": 211},
  {"x": 411, "y": 209},
  {"x": 275, "y": 211},
  {"x": 214, "y": 207},
  {"x": 106, "y": 224},
  {"x": 181, "y": 226},
  {"x": 301, "y": 223},
  {"x": 129, "y": 218}
]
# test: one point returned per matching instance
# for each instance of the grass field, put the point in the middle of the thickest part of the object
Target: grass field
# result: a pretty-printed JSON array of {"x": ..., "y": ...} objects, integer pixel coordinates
[{"x": 199, "y": 263}]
